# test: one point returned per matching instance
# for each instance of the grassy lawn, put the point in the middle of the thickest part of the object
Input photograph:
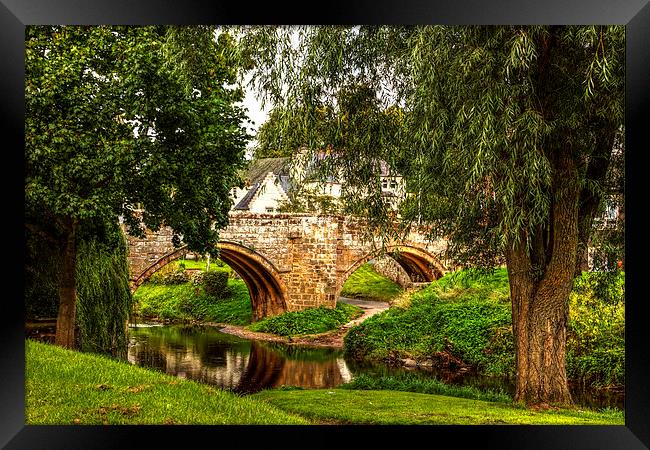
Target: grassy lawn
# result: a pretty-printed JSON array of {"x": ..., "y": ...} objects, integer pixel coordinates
[
  {"x": 66, "y": 387},
  {"x": 201, "y": 264},
  {"x": 407, "y": 408},
  {"x": 183, "y": 302},
  {"x": 366, "y": 284}
]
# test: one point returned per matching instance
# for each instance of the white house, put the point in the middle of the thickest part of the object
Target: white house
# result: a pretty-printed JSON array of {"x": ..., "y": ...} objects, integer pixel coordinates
[
  {"x": 267, "y": 186},
  {"x": 270, "y": 181}
]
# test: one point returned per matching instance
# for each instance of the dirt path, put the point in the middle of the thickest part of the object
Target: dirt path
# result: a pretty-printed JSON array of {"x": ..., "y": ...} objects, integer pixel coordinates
[{"x": 332, "y": 338}]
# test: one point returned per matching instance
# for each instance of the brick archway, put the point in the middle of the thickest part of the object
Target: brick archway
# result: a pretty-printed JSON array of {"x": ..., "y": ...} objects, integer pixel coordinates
[
  {"x": 267, "y": 291},
  {"x": 417, "y": 262}
]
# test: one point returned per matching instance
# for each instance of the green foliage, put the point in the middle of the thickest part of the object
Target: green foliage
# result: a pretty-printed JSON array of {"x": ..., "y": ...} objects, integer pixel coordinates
[
  {"x": 308, "y": 321},
  {"x": 189, "y": 302},
  {"x": 171, "y": 276},
  {"x": 41, "y": 287},
  {"x": 104, "y": 298},
  {"x": 366, "y": 283},
  {"x": 63, "y": 387},
  {"x": 118, "y": 118},
  {"x": 596, "y": 332},
  {"x": 412, "y": 383},
  {"x": 215, "y": 283},
  {"x": 470, "y": 318},
  {"x": 96, "y": 95},
  {"x": 592, "y": 288},
  {"x": 460, "y": 326}
]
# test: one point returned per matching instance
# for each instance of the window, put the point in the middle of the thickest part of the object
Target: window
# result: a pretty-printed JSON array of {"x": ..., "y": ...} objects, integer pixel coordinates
[
  {"x": 611, "y": 213},
  {"x": 384, "y": 183},
  {"x": 268, "y": 210},
  {"x": 393, "y": 184}
]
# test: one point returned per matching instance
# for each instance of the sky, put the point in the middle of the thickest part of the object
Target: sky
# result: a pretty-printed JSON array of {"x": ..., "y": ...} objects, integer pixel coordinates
[{"x": 255, "y": 111}]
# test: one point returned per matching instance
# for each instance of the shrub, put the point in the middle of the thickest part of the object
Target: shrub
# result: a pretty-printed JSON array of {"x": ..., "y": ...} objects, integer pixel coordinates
[
  {"x": 170, "y": 276},
  {"x": 215, "y": 283},
  {"x": 197, "y": 278}
]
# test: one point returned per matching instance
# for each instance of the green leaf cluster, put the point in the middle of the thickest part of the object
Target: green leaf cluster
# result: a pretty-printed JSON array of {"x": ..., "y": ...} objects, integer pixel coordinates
[{"x": 476, "y": 118}]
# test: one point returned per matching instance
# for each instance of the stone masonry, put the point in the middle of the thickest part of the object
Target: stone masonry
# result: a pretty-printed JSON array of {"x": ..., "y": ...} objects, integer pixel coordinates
[{"x": 290, "y": 261}]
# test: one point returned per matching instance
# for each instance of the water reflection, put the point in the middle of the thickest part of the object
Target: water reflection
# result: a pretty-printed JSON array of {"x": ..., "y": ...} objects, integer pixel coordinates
[{"x": 204, "y": 354}]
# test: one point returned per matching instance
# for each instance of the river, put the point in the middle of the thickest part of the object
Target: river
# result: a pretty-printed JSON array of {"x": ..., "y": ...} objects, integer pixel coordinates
[{"x": 205, "y": 354}]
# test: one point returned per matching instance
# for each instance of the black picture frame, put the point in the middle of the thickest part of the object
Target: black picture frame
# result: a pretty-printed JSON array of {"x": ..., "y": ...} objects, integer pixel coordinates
[{"x": 15, "y": 14}]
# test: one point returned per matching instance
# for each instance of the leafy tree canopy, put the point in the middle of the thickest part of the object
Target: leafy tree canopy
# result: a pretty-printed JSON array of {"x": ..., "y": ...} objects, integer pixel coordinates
[
  {"x": 118, "y": 117},
  {"x": 484, "y": 114}
]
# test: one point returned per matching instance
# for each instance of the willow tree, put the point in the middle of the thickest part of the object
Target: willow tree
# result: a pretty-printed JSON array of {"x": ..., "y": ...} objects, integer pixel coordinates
[
  {"x": 123, "y": 118},
  {"x": 506, "y": 139}
]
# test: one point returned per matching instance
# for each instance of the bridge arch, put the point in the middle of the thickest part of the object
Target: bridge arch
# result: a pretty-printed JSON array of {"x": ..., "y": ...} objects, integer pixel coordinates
[
  {"x": 418, "y": 263},
  {"x": 267, "y": 291}
]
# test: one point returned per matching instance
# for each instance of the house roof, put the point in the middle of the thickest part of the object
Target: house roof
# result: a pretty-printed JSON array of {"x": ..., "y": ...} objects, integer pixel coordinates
[
  {"x": 258, "y": 169},
  {"x": 244, "y": 203},
  {"x": 255, "y": 173}
]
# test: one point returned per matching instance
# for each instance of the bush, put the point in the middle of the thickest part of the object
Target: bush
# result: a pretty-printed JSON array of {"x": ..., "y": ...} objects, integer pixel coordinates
[
  {"x": 177, "y": 276},
  {"x": 215, "y": 283},
  {"x": 197, "y": 278}
]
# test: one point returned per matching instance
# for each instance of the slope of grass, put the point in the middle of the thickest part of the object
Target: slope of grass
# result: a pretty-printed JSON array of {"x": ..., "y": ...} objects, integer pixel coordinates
[
  {"x": 366, "y": 284},
  {"x": 407, "y": 408},
  {"x": 66, "y": 387},
  {"x": 186, "y": 302},
  {"x": 308, "y": 321},
  {"x": 470, "y": 319}
]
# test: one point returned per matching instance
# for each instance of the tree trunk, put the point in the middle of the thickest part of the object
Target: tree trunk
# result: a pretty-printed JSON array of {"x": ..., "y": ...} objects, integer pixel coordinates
[
  {"x": 539, "y": 319},
  {"x": 540, "y": 295},
  {"x": 65, "y": 323}
]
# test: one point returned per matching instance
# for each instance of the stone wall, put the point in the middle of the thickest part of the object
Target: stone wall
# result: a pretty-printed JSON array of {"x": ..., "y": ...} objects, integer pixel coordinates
[{"x": 391, "y": 269}]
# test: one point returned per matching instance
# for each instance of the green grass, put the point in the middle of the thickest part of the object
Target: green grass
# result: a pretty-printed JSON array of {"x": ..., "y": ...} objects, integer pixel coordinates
[
  {"x": 186, "y": 302},
  {"x": 308, "y": 321},
  {"x": 471, "y": 319},
  {"x": 365, "y": 283},
  {"x": 410, "y": 382},
  {"x": 407, "y": 408},
  {"x": 442, "y": 317},
  {"x": 66, "y": 387},
  {"x": 200, "y": 264}
]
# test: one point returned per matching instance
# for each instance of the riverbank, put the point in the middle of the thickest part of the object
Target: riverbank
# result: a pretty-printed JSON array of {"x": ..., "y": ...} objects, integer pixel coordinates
[
  {"x": 332, "y": 339},
  {"x": 65, "y": 387},
  {"x": 464, "y": 322}
]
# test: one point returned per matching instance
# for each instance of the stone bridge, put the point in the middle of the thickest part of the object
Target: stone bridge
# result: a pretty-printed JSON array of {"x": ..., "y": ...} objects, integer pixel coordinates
[{"x": 291, "y": 261}]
